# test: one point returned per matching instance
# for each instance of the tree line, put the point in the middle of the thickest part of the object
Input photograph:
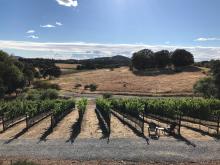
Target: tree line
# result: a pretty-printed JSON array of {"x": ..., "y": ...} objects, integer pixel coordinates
[
  {"x": 146, "y": 58},
  {"x": 19, "y": 73}
]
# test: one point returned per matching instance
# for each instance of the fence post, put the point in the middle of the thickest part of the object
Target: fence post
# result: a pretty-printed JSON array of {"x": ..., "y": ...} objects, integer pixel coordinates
[
  {"x": 218, "y": 124},
  {"x": 143, "y": 123},
  {"x": 109, "y": 122},
  {"x": 3, "y": 122},
  {"x": 26, "y": 121},
  {"x": 180, "y": 118}
]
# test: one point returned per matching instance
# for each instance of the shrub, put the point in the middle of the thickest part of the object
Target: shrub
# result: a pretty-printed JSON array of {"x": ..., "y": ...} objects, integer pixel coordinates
[
  {"x": 78, "y": 85},
  {"x": 93, "y": 87},
  {"x": 86, "y": 87},
  {"x": 107, "y": 95},
  {"x": 206, "y": 87},
  {"x": 49, "y": 94},
  {"x": 45, "y": 85}
]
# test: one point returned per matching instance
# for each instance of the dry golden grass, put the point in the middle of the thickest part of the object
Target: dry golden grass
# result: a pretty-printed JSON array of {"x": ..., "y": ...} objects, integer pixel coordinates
[
  {"x": 122, "y": 80},
  {"x": 66, "y": 66}
]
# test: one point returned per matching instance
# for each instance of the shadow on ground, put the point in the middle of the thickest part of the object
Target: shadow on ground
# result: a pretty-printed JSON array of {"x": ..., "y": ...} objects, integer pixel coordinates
[
  {"x": 105, "y": 132},
  {"x": 135, "y": 130},
  {"x": 166, "y": 71},
  {"x": 75, "y": 130}
]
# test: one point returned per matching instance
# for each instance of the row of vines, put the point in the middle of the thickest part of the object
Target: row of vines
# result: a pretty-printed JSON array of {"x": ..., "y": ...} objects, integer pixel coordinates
[
  {"x": 195, "y": 110},
  {"x": 33, "y": 111}
]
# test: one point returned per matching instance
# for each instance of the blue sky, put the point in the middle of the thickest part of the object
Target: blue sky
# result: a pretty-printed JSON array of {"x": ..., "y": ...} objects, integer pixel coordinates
[{"x": 93, "y": 28}]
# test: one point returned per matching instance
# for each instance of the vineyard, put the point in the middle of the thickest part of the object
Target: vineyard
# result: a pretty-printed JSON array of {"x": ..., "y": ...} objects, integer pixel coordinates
[
  {"x": 182, "y": 112},
  {"x": 32, "y": 112},
  {"x": 115, "y": 117}
]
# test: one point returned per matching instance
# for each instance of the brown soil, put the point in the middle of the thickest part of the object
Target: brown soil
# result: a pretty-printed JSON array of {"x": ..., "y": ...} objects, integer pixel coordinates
[
  {"x": 122, "y": 80},
  {"x": 64, "y": 128},
  {"x": 36, "y": 131},
  {"x": 13, "y": 131},
  {"x": 119, "y": 130},
  {"x": 90, "y": 125}
]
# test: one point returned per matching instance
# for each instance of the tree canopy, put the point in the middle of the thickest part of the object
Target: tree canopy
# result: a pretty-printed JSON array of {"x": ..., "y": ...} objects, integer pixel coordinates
[{"x": 146, "y": 58}]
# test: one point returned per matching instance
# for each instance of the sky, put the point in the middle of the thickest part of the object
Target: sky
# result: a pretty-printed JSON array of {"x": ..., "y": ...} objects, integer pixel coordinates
[{"x": 79, "y": 29}]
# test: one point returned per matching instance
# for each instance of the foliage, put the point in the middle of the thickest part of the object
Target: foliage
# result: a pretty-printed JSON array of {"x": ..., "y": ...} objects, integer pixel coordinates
[
  {"x": 46, "y": 67},
  {"x": 81, "y": 105},
  {"x": 13, "y": 74},
  {"x": 16, "y": 108},
  {"x": 35, "y": 94},
  {"x": 210, "y": 87},
  {"x": 104, "y": 107},
  {"x": 45, "y": 85},
  {"x": 143, "y": 59},
  {"x": 215, "y": 69},
  {"x": 206, "y": 87},
  {"x": 128, "y": 106},
  {"x": 196, "y": 108},
  {"x": 107, "y": 95},
  {"x": 63, "y": 106},
  {"x": 181, "y": 57},
  {"x": 49, "y": 94},
  {"x": 162, "y": 58},
  {"x": 92, "y": 87}
]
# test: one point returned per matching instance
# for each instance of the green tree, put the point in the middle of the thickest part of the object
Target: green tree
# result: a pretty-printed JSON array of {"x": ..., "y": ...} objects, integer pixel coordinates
[
  {"x": 215, "y": 69},
  {"x": 143, "y": 59},
  {"x": 11, "y": 75},
  {"x": 162, "y": 58},
  {"x": 181, "y": 57}
]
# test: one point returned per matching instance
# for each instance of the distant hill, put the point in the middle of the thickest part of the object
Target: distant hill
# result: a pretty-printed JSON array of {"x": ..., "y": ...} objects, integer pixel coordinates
[
  {"x": 118, "y": 59},
  {"x": 104, "y": 62},
  {"x": 101, "y": 62}
]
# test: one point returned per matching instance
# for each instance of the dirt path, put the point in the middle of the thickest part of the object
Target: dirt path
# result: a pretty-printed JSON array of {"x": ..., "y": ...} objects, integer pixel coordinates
[
  {"x": 36, "y": 131},
  {"x": 119, "y": 130},
  {"x": 90, "y": 124},
  {"x": 64, "y": 128},
  {"x": 13, "y": 131}
]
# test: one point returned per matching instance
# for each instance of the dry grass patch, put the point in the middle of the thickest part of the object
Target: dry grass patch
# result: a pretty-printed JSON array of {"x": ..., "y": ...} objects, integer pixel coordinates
[{"x": 122, "y": 80}]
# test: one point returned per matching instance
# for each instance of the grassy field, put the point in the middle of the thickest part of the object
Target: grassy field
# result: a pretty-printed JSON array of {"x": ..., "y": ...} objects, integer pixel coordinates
[{"x": 123, "y": 81}]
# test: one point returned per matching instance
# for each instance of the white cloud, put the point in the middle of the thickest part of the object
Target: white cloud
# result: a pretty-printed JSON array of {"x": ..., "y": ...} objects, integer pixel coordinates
[
  {"x": 33, "y": 37},
  {"x": 47, "y": 26},
  {"x": 30, "y": 31},
  {"x": 90, "y": 50},
  {"x": 59, "y": 24},
  {"x": 207, "y": 39},
  {"x": 68, "y": 3}
]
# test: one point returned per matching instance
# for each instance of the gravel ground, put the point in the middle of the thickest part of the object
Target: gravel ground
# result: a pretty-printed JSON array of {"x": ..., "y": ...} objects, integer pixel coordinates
[{"x": 116, "y": 150}]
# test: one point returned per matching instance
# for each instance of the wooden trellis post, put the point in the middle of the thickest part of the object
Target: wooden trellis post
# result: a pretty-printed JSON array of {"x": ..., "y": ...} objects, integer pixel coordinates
[
  {"x": 143, "y": 123},
  {"x": 218, "y": 124},
  {"x": 3, "y": 122},
  {"x": 180, "y": 118}
]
